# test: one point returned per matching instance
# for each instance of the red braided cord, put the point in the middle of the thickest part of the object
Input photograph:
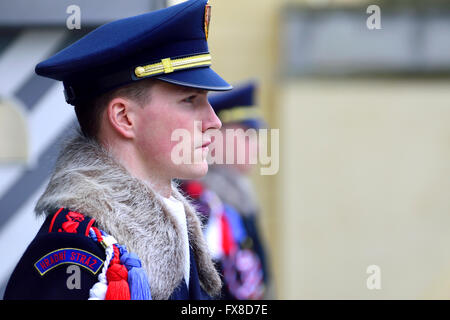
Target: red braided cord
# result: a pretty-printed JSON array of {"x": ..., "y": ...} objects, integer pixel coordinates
[
  {"x": 98, "y": 234},
  {"x": 117, "y": 276}
]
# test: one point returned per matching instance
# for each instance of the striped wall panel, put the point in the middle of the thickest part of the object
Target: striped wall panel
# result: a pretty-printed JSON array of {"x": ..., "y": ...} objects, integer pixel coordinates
[{"x": 49, "y": 120}]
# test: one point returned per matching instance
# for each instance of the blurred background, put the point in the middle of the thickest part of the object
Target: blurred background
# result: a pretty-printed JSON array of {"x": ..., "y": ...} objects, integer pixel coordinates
[{"x": 361, "y": 99}]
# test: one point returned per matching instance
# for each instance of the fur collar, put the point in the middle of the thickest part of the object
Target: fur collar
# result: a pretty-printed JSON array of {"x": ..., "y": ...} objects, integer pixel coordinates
[{"x": 87, "y": 179}]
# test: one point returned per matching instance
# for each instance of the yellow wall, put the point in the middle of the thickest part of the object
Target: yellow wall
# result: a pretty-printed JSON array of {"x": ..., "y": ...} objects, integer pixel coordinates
[{"x": 365, "y": 180}]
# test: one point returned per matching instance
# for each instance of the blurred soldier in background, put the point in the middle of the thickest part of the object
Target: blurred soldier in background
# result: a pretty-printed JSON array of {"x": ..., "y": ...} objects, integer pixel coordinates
[{"x": 227, "y": 199}]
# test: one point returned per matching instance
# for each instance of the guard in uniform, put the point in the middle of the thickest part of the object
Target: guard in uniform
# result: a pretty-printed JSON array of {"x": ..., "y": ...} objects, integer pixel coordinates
[
  {"x": 228, "y": 202},
  {"x": 109, "y": 234}
]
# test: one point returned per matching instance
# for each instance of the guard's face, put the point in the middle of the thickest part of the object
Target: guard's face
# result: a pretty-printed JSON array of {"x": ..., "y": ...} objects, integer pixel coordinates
[{"x": 175, "y": 125}]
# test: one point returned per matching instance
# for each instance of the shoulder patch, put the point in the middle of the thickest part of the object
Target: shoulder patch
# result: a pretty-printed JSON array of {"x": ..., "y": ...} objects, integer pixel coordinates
[
  {"x": 71, "y": 256},
  {"x": 68, "y": 221}
]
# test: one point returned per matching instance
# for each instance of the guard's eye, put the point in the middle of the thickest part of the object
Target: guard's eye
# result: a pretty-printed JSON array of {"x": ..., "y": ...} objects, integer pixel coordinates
[{"x": 190, "y": 99}]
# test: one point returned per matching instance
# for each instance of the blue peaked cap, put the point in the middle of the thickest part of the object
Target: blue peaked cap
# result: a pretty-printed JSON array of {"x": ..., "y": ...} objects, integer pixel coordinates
[
  {"x": 169, "y": 44},
  {"x": 238, "y": 106}
]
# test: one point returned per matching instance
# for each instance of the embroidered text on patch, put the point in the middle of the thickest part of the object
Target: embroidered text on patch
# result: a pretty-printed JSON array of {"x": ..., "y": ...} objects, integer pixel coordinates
[{"x": 71, "y": 256}]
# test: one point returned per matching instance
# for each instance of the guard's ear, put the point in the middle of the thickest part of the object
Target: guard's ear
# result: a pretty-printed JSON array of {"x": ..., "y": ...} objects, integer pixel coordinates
[{"x": 120, "y": 117}]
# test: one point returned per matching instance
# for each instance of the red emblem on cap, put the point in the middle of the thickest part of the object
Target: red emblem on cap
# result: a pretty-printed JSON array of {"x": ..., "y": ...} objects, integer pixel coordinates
[{"x": 207, "y": 19}]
